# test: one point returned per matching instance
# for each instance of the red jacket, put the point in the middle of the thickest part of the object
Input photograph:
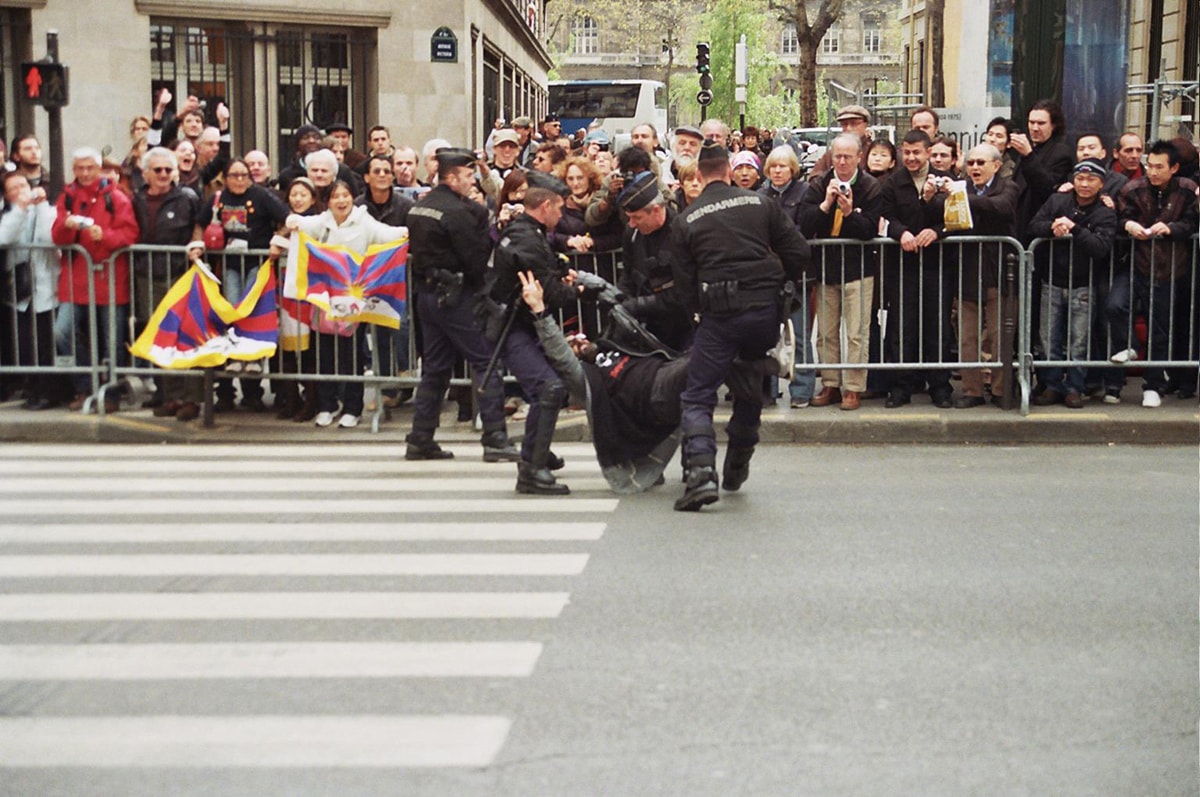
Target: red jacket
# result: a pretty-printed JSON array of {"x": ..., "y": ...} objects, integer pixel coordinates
[{"x": 113, "y": 214}]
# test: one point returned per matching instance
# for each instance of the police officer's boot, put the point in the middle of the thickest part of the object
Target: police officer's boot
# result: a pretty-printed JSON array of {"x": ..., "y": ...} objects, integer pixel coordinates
[
  {"x": 737, "y": 467},
  {"x": 498, "y": 448},
  {"x": 534, "y": 476},
  {"x": 421, "y": 446},
  {"x": 700, "y": 489}
]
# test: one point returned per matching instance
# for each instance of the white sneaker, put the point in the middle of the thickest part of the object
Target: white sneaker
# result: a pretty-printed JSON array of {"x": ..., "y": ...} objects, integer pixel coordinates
[
  {"x": 324, "y": 419},
  {"x": 1150, "y": 398},
  {"x": 235, "y": 366},
  {"x": 522, "y": 412},
  {"x": 253, "y": 367},
  {"x": 1124, "y": 356},
  {"x": 348, "y": 421},
  {"x": 1112, "y": 396}
]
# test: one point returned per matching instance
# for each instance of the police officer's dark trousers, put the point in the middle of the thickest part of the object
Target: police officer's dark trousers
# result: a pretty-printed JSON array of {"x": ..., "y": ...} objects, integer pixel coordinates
[
  {"x": 525, "y": 360},
  {"x": 446, "y": 331},
  {"x": 719, "y": 340}
]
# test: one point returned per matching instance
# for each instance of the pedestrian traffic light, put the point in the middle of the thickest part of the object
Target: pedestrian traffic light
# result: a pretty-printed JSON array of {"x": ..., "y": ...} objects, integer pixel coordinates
[{"x": 44, "y": 83}]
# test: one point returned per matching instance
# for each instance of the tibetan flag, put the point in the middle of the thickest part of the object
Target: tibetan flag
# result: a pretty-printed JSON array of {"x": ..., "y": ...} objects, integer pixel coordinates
[
  {"x": 348, "y": 285},
  {"x": 194, "y": 326}
]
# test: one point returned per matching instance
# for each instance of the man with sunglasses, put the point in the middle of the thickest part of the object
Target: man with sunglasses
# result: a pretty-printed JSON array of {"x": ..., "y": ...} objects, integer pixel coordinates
[
  {"x": 993, "y": 202},
  {"x": 167, "y": 215}
]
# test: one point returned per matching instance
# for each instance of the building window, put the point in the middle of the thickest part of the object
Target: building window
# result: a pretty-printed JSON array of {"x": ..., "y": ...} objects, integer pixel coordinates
[
  {"x": 832, "y": 41},
  {"x": 790, "y": 43},
  {"x": 585, "y": 36},
  {"x": 872, "y": 35},
  {"x": 319, "y": 75}
]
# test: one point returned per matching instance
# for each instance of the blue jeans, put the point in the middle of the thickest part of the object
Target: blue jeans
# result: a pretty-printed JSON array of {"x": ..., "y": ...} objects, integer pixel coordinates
[
  {"x": 803, "y": 379},
  {"x": 1066, "y": 326}
]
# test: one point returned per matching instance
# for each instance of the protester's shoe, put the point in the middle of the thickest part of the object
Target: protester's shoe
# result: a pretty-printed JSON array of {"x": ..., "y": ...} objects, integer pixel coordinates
[
  {"x": 1047, "y": 398},
  {"x": 155, "y": 400},
  {"x": 1112, "y": 395},
  {"x": 736, "y": 469},
  {"x": 942, "y": 399},
  {"x": 224, "y": 405},
  {"x": 324, "y": 419},
  {"x": 254, "y": 404},
  {"x": 498, "y": 448},
  {"x": 897, "y": 399},
  {"x": 253, "y": 367},
  {"x": 188, "y": 411},
  {"x": 1123, "y": 356},
  {"x": 1074, "y": 401},
  {"x": 307, "y": 411},
  {"x": 700, "y": 489},
  {"x": 967, "y": 402},
  {"x": 1151, "y": 398},
  {"x": 522, "y": 412},
  {"x": 426, "y": 449},
  {"x": 288, "y": 409},
  {"x": 827, "y": 396},
  {"x": 850, "y": 400},
  {"x": 800, "y": 403},
  {"x": 533, "y": 480},
  {"x": 348, "y": 421},
  {"x": 167, "y": 410}
]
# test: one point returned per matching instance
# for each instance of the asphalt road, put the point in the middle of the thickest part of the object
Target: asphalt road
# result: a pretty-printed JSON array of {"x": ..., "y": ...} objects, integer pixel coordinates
[{"x": 856, "y": 621}]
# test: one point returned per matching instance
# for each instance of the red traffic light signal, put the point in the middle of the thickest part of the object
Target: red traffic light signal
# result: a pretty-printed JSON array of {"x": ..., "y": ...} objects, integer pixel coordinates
[{"x": 44, "y": 83}]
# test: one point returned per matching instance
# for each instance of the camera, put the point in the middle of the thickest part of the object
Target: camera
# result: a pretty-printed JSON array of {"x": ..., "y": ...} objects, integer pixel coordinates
[
  {"x": 844, "y": 189},
  {"x": 85, "y": 222},
  {"x": 628, "y": 177}
]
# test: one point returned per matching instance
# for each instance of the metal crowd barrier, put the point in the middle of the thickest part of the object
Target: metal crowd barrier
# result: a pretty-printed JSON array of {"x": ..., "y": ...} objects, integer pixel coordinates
[
  {"x": 916, "y": 304},
  {"x": 56, "y": 344}
]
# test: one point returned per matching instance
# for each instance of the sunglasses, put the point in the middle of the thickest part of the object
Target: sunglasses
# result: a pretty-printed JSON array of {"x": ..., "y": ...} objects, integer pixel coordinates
[
  {"x": 162, "y": 170},
  {"x": 977, "y": 163}
]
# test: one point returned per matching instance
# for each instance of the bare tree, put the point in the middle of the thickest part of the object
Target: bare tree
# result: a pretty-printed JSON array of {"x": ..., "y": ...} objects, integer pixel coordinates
[{"x": 811, "y": 26}]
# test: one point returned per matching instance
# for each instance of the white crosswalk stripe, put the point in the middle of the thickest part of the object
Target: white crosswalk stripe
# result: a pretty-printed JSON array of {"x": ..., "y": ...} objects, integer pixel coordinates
[{"x": 130, "y": 564}]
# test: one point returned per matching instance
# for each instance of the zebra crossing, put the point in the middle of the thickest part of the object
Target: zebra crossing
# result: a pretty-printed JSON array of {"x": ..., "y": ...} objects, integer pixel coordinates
[{"x": 213, "y": 568}]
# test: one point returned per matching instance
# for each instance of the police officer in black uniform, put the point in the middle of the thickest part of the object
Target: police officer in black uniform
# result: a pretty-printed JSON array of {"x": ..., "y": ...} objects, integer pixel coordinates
[
  {"x": 648, "y": 280},
  {"x": 448, "y": 249},
  {"x": 734, "y": 250},
  {"x": 525, "y": 248}
]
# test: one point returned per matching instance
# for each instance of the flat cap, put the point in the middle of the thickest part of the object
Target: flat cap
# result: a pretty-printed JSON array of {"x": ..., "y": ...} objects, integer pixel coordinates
[
  {"x": 689, "y": 130},
  {"x": 522, "y": 121},
  {"x": 851, "y": 112}
]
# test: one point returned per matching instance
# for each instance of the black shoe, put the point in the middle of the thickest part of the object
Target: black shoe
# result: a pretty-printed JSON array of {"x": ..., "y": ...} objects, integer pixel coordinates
[
  {"x": 224, "y": 405},
  {"x": 426, "y": 449},
  {"x": 533, "y": 480},
  {"x": 155, "y": 400},
  {"x": 254, "y": 404},
  {"x": 498, "y": 448},
  {"x": 897, "y": 400},
  {"x": 967, "y": 402},
  {"x": 555, "y": 462},
  {"x": 943, "y": 400},
  {"x": 736, "y": 468},
  {"x": 701, "y": 490}
]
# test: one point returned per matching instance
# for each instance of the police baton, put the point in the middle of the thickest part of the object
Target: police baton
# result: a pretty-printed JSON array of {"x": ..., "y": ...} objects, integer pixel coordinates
[{"x": 491, "y": 366}]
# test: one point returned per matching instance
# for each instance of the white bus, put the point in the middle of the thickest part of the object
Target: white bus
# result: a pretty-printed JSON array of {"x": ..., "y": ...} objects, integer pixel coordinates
[{"x": 619, "y": 105}]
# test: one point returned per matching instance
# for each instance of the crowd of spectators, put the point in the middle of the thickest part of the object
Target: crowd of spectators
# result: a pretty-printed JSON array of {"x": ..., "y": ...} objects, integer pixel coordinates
[{"x": 1120, "y": 244}]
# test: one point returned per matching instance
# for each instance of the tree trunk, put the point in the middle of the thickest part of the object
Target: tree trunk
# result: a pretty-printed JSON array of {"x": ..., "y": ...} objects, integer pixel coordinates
[{"x": 808, "y": 82}]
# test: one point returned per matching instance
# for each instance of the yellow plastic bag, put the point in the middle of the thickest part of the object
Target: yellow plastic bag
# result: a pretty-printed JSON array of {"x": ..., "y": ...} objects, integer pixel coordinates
[{"x": 957, "y": 215}]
